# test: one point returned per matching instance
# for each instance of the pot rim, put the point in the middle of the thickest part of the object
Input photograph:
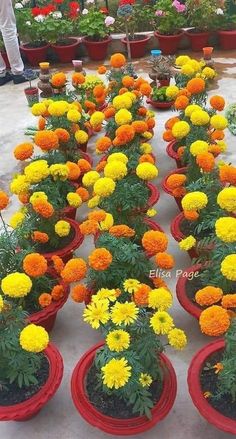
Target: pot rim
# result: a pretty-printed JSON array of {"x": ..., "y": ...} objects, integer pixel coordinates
[
  {"x": 87, "y": 41},
  {"x": 24, "y": 48},
  {"x": 182, "y": 297},
  {"x": 196, "y": 34},
  {"x": 74, "y": 42},
  {"x": 179, "y": 34},
  {"x": 144, "y": 38},
  {"x": 159, "y": 104}
]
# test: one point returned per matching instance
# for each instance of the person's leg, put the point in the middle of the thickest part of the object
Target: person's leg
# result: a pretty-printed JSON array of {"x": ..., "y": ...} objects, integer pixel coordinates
[{"x": 9, "y": 33}]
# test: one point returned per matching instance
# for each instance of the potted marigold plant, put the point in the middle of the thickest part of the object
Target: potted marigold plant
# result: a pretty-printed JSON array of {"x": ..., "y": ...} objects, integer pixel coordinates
[
  {"x": 159, "y": 99},
  {"x": 31, "y": 368},
  {"x": 169, "y": 22}
]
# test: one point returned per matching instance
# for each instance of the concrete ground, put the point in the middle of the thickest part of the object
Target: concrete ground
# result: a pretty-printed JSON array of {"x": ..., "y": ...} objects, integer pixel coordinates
[{"x": 71, "y": 335}]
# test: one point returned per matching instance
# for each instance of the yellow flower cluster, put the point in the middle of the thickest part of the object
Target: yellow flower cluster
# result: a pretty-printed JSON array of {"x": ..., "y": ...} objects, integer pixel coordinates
[
  {"x": 180, "y": 129},
  {"x": 104, "y": 187},
  {"x": 62, "y": 228},
  {"x": 37, "y": 171},
  {"x": 34, "y": 338},
  {"x": 59, "y": 171},
  {"x": 123, "y": 117},
  {"x": 227, "y": 199},
  {"x": 16, "y": 285},
  {"x": 198, "y": 147},
  {"x": 74, "y": 199},
  {"x": 228, "y": 267},
  {"x": 116, "y": 170},
  {"x": 226, "y": 229},
  {"x": 194, "y": 201},
  {"x": 146, "y": 171},
  {"x": 187, "y": 243}
]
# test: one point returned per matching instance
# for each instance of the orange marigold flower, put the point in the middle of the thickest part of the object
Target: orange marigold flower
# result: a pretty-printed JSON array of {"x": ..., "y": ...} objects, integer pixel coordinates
[
  {"x": 145, "y": 89},
  {"x": 24, "y": 197},
  {"x": 229, "y": 301},
  {"x": 218, "y": 367},
  {"x": 206, "y": 161},
  {"x": 191, "y": 215},
  {"x": 214, "y": 321},
  {"x": 57, "y": 292},
  {"x": 78, "y": 78},
  {"x": 184, "y": 92},
  {"x": 102, "y": 70},
  {"x": 62, "y": 134},
  {"x": 100, "y": 259},
  {"x": 89, "y": 227},
  {"x": 58, "y": 264},
  {"x": 90, "y": 105},
  {"x": 83, "y": 193},
  {"x": 142, "y": 111},
  {"x": 151, "y": 123},
  {"x": 45, "y": 299},
  {"x": 109, "y": 112},
  {"x": 4, "y": 200},
  {"x": 101, "y": 99},
  {"x": 23, "y": 151},
  {"x": 196, "y": 85},
  {"x": 74, "y": 171},
  {"x": 41, "y": 123},
  {"x": 146, "y": 158},
  {"x": 117, "y": 60},
  {"x": 179, "y": 192},
  {"x": 97, "y": 215},
  {"x": 98, "y": 91},
  {"x": 125, "y": 134},
  {"x": 43, "y": 208},
  {"x": 84, "y": 165},
  {"x": 46, "y": 140},
  {"x": 128, "y": 81},
  {"x": 217, "y": 102},
  {"x": 208, "y": 295},
  {"x": 176, "y": 180},
  {"x": 123, "y": 90},
  {"x": 181, "y": 102},
  {"x": 121, "y": 230},
  {"x": 141, "y": 295},
  {"x": 171, "y": 122},
  {"x": 101, "y": 165},
  {"x": 214, "y": 149},
  {"x": 103, "y": 144},
  {"x": 168, "y": 136},
  {"x": 154, "y": 241},
  {"x": 180, "y": 151},
  {"x": 40, "y": 237},
  {"x": 58, "y": 79},
  {"x": 227, "y": 174},
  {"x": 164, "y": 260},
  {"x": 218, "y": 135},
  {"x": 35, "y": 265},
  {"x": 139, "y": 126},
  {"x": 80, "y": 293},
  {"x": 74, "y": 270},
  {"x": 158, "y": 282},
  {"x": 98, "y": 128},
  {"x": 138, "y": 82}
]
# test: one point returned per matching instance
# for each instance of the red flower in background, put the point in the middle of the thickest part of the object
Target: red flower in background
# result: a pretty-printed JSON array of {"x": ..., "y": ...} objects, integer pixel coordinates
[
  {"x": 104, "y": 11},
  {"x": 58, "y": 2},
  {"x": 36, "y": 11},
  {"x": 126, "y": 2},
  {"x": 74, "y": 9},
  {"x": 46, "y": 10}
]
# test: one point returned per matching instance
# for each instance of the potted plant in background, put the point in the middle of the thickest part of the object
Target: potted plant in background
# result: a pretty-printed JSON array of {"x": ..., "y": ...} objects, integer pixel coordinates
[
  {"x": 226, "y": 25},
  {"x": 31, "y": 93},
  {"x": 162, "y": 68},
  {"x": 201, "y": 17},
  {"x": 95, "y": 26},
  {"x": 169, "y": 22},
  {"x": 159, "y": 98}
]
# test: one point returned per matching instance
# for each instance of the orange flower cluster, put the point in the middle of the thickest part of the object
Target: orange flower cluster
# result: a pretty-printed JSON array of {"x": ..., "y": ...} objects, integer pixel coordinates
[
  {"x": 154, "y": 241},
  {"x": 57, "y": 292},
  {"x": 181, "y": 102},
  {"x": 4, "y": 200},
  {"x": 206, "y": 161},
  {"x": 146, "y": 158},
  {"x": 191, "y": 215},
  {"x": 102, "y": 70},
  {"x": 74, "y": 171},
  {"x": 227, "y": 174},
  {"x": 83, "y": 193},
  {"x": 141, "y": 295},
  {"x": 43, "y": 208},
  {"x": 229, "y": 301},
  {"x": 58, "y": 80},
  {"x": 78, "y": 78},
  {"x": 117, "y": 60},
  {"x": 100, "y": 259},
  {"x": 121, "y": 230},
  {"x": 80, "y": 293},
  {"x": 84, "y": 165},
  {"x": 217, "y": 102},
  {"x": 175, "y": 184},
  {"x": 124, "y": 135},
  {"x": 214, "y": 321},
  {"x": 196, "y": 86},
  {"x": 89, "y": 227},
  {"x": 45, "y": 299},
  {"x": 40, "y": 237},
  {"x": 58, "y": 264},
  {"x": 97, "y": 215},
  {"x": 208, "y": 296},
  {"x": 62, "y": 135},
  {"x": 46, "y": 140},
  {"x": 139, "y": 126},
  {"x": 35, "y": 265},
  {"x": 23, "y": 151},
  {"x": 74, "y": 270},
  {"x": 164, "y": 260},
  {"x": 103, "y": 144}
]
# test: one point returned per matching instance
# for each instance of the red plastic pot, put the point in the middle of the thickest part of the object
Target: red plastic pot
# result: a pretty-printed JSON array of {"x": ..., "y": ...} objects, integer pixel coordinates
[
  {"x": 169, "y": 43},
  {"x": 115, "y": 426},
  {"x": 178, "y": 235},
  {"x": 181, "y": 293},
  {"x": 32, "y": 406},
  {"x": 212, "y": 415},
  {"x": 168, "y": 191},
  {"x": 160, "y": 105},
  {"x": 66, "y": 52},
  {"x": 35, "y": 55},
  {"x": 137, "y": 47},
  {"x": 32, "y": 95},
  {"x": 5, "y": 58},
  {"x": 97, "y": 50},
  {"x": 163, "y": 82},
  {"x": 227, "y": 39},
  {"x": 198, "y": 40},
  {"x": 170, "y": 149},
  {"x": 66, "y": 253}
]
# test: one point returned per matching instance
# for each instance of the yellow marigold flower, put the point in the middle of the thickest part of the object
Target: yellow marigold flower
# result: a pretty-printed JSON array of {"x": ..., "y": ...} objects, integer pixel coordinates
[
  {"x": 181, "y": 60},
  {"x": 227, "y": 199},
  {"x": 118, "y": 157},
  {"x": 228, "y": 267},
  {"x": 131, "y": 285},
  {"x": 94, "y": 202},
  {"x": 90, "y": 178},
  {"x": 219, "y": 122},
  {"x": 62, "y": 228},
  {"x": 38, "y": 109},
  {"x": 97, "y": 313},
  {"x": 187, "y": 70},
  {"x": 177, "y": 338},
  {"x": 116, "y": 373},
  {"x": 73, "y": 116},
  {"x": 226, "y": 229},
  {"x": 146, "y": 171},
  {"x": 34, "y": 338},
  {"x": 40, "y": 195},
  {"x": 147, "y": 135},
  {"x": 118, "y": 340},
  {"x": 19, "y": 185},
  {"x": 107, "y": 223},
  {"x": 37, "y": 171},
  {"x": 172, "y": 91},
  {"x": 123, "y": 117},
  {"x": 1, "y": 304},
  {"x": 124, "y": 313},
  {"x": 198, "y": 147},
  {"x": 16, "y": 285},
  {"x": 16, "y": 219},
  {"x": 160, "y": 298},
  {"x": 161, "y": 322},
  {"x": 145, "y": 379},
  {"x": 116, "y": 170},
  {"x": 187, "y": 243},
  {"x": 200, "y": 118},
  {"x": 192, "y": 108},
  {"x": 58, "y": 108},
  {"x": 208, "y": 73},
  {"x": 151, "y": 212},
  {"x": 145, "y": 148},
  {"x": 81, "y": 136},
  {"x": 74, "y": 199},
  {"x": 194, "y": 201},
  {"x": 180, "y": 129},
  {"x": 97, "y": 118},
  {"x": 122, "y": 101},
  {"x": 104, "y": 187},
  {"x": 59, "y": 171}
]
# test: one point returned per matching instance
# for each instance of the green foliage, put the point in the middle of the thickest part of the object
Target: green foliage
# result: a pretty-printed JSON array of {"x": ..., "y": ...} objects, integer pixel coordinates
[
  {"x": 159, "y": 94},
  {"x": 227, "y": 377},
  {"x": 202, "y": 15},
  {"x": 30, "y": 30},
  {"x": 58, "y": 30},
  {"x": 92, "y": 25},
  {"x": 172, "y": 21},
  {"x": 140, "y": 21}
]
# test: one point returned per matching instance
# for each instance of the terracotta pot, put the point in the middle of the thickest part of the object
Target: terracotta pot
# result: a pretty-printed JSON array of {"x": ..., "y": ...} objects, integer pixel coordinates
[
  {"x": 169, "y": 43},
  {"x": 212, "y": 415},
  {"x": 198, "y": 40},
  {"x": 170, "y": 149},
  {"x": 168, "y": 191},
  {"x": 32, "y": 406},
  {"x": 66, "y": 253},
  {"x": 163, "y": 82},
  {"x": 115, "y": 426},
  {"x": 137, "y": 47},
  {"x": 67, "y": 52},
  {"x": 227, "y": 39},
  {"x": 35, "y": 55},
  {"x": 160, "y": 105},
  {"x": 97, "y": 50},
  {"x": 181, "y": 293},
  {"x": 178, "y": 235},
  {"x": 5, "y": 58}
]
